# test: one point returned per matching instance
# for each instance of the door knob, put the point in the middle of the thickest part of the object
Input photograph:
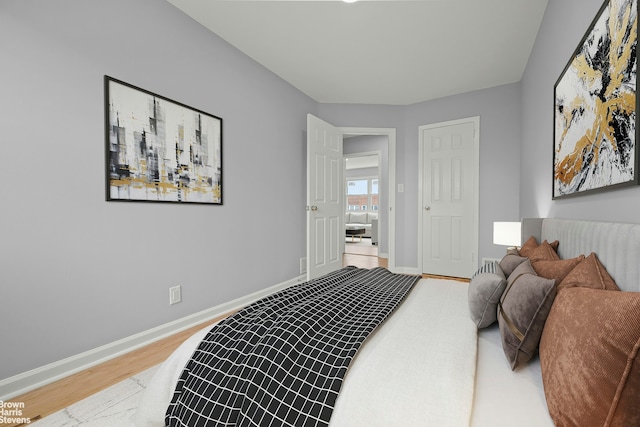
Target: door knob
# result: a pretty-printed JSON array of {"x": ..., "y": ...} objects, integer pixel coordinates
[
  {"x": 427, "y": 208},
  {"x": 314, "y": 208}
]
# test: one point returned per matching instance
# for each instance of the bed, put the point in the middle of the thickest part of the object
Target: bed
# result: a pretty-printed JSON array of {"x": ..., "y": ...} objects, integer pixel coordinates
[{"x": 429, "y": 363}]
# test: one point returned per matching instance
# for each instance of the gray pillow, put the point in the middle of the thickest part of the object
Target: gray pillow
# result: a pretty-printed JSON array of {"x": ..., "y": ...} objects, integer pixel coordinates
[
  {"x": 510, "y": 262},
  {"x": 485, "y": 289},
  {"x": 522, "y": 312}
]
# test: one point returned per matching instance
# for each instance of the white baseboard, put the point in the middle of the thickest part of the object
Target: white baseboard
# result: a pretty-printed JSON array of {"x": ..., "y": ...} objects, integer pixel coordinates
[{"x": 35, "y": 378}]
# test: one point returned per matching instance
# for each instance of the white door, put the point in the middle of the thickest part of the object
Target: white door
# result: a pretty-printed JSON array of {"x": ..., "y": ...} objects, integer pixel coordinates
[
  {"x": 449, "y": 198},
  {"x": 325, "y": 198}
]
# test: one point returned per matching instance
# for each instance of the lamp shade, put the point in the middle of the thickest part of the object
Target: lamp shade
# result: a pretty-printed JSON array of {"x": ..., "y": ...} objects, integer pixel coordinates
[{"x": 506, "y": 233}]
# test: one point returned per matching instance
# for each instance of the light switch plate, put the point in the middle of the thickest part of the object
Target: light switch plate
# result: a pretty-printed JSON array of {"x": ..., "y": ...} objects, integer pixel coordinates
[{"x": 175, "y": 295}]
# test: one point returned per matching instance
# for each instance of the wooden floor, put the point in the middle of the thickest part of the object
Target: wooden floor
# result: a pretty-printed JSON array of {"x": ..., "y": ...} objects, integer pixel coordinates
[
  {"x": 364, "y": 261},
  {"x": 362, "y": 254},
  {"x": 56, "y": 396}
]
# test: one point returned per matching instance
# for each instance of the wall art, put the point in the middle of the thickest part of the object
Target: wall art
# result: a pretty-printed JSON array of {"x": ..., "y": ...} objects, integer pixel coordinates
[
  {"x": 159, "y": 150},
  {"x": 595, "y": 107}
]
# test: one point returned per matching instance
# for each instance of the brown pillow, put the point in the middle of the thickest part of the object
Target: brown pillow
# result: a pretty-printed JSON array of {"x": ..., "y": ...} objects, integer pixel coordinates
[
  {"x": 590, "y": 360},
  {"x": 522, "y": 311},
  {"x": 544, "y": 252},
  {"x": 532, "y": 244},
  {"x": 590, "y": 273},
  {"x": 509, "y": 263},
  {"x": 528, "y": 247},
  {"x": 556, "y": 270}
]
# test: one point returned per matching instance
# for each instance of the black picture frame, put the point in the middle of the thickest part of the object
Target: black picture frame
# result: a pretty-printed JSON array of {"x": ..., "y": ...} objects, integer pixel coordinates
[
  {"x": 595, "y": 107},
  {"x": 158, "y": 149}
]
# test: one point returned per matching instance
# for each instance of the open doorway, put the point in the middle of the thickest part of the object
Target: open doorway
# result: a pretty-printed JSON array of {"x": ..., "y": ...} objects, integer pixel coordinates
[
  {"x": 329, "y": 244},
  {"x": 372, "y": 154},
  {"x": 380, "y": 141},
  {"x": 362, "y": 201}
]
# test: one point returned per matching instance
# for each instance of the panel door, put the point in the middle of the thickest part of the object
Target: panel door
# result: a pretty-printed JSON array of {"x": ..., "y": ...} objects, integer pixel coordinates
[
  {"x": 448, "y": 214},
  {"x": 325, "y": 198}
]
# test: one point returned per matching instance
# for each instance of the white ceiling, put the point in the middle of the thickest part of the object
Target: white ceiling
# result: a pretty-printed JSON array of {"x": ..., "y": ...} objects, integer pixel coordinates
[{"x": 379, "y": 52}]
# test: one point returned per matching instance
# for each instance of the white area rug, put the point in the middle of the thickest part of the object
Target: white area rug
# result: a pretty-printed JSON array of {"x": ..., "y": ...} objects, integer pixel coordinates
[{"x": 111, "y": 407}]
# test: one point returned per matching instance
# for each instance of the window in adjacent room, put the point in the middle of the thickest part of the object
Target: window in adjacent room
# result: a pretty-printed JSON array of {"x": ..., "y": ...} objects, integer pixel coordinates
[{"x": 362, "y": 194}]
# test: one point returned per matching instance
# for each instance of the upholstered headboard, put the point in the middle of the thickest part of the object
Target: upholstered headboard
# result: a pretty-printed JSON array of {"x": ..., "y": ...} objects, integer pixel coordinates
[{"x": 617, "y": 245}]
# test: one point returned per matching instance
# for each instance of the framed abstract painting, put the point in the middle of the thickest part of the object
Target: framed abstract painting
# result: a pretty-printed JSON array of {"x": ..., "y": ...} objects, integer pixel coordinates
[
  {"x": 595, "y": 107},
  {"x": 159, "y": 150}
]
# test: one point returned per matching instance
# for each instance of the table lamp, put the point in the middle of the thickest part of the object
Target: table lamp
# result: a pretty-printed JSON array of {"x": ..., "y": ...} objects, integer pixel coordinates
[{"x": 507, "y": 234}]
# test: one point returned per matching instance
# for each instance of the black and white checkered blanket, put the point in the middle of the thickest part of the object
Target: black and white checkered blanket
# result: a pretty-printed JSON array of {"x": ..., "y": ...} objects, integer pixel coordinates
[{"x": 281, "y": 360}]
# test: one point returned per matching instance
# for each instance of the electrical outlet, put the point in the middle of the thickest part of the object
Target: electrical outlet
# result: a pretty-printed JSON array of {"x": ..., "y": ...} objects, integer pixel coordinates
[
  {"x": 175, "y": 295},
  {"x": 303, "y": 265}
]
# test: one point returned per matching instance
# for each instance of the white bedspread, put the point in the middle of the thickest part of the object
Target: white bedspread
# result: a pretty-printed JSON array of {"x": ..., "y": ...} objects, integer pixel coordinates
[
  {"x": 504, "y": 398},
  {"x": 417, "y": 369}
]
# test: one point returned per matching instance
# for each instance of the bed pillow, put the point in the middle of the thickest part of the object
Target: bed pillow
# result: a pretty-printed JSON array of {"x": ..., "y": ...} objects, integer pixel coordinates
[
  {"x": 590, "y": 273},
  {"x": 485, "y": 290},
  {"x": 522, "y": 311},
  {"x": 531, "y": 244},
  {"x": 556, "y": 270},
  {"x": 589, "y": 358},
  {"x": 528, "y": 247},
  {"x": 509, "y": 263},
  {"x": 544, "y": 252}
]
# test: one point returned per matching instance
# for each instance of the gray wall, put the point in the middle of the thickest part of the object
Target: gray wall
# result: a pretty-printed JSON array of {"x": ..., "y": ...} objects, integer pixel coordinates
[
  {"x": 565, "y": 23},
  {"x": 499, "y": 111},
  {"x": 78, "y": 272}
]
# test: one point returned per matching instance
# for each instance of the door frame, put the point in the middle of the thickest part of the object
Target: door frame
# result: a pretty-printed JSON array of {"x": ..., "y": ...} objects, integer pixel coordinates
[
  {"x": 475, "y": 120},
  {"x": 391, "y": 147}
]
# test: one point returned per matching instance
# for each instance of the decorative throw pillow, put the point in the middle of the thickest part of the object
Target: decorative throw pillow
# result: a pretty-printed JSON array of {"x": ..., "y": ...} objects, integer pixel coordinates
[
  {"x": 590, "y": 273},
  {"x": 510, "y": 262},
  {"x": 485, "y": 290},
  {"x": 522, "y": 311},
  {"x": 531, "y": 244},
  {"x": 544, "y": 252},
  {"x": 556, "y": 270},
  {"x": 528, "y": 247},
  {"x": 590, "y": 360}
]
